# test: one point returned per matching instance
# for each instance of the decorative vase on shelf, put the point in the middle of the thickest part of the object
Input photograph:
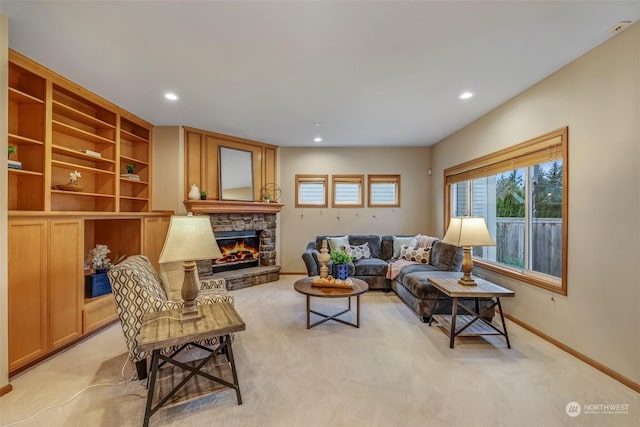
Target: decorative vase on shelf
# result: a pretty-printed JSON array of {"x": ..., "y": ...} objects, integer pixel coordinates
[{"x": 194, "y": 194}]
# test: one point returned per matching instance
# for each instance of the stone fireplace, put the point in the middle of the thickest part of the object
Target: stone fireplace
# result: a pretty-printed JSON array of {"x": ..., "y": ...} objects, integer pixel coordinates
[{"x": 243, "y": 216}]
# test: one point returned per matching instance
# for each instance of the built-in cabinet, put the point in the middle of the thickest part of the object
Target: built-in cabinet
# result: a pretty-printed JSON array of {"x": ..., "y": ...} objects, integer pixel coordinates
[
  {"x": 45, "y": 299},
  {"x": 202, "y": 161},
  {"x": 48, "y": 308},
  {"x": 56, "y": 128}
]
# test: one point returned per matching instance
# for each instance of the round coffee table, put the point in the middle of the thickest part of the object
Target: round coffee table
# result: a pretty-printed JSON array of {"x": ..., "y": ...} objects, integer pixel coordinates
[{"x": 304, "y": 287}]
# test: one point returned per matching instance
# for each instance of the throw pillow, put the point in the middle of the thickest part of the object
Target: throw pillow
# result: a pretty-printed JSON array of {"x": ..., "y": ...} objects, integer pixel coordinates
[
  {"x": 359, "y": 252},
  {"x": 338, "y": 243},
  {"x": 420, "y": 255},
  {"x": 399, "y": 241}
]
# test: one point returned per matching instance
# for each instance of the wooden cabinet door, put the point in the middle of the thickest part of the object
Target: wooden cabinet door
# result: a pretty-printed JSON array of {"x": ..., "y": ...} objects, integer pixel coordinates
[
  {"x": 154, "y": 234},
  {"x": 66, "y": 293},
  {"x": 28, "y": 246}
]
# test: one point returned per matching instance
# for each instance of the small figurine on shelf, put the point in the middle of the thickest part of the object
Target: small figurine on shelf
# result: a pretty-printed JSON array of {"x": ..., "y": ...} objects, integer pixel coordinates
[
  {"x": 73, "y": 182},
  {"x": 74, "y": 176}
]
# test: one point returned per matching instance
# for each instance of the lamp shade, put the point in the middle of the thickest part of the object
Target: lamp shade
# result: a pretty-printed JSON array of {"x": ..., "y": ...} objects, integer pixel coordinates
[
  {"x": 190, "y": 238},
  {"x": 468, "y": 231}
]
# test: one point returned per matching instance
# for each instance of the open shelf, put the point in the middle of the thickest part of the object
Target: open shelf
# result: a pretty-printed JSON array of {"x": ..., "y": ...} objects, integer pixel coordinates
[
  {"x": 79, "y": 133},
  {"x": 23, "y": 98},
  {"x": 80, "y": 155},
  {"x": 58, "y": 127},
  {"x": 80, "y": 117},
  {"x": 80, "y": 167},
  {"x": 22, "y": 140},
  {"x": 24, "y": 172}
]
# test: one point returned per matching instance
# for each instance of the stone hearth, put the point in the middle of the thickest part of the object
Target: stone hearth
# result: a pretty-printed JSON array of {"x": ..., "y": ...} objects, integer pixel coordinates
[{"x": 267, "y": 271}]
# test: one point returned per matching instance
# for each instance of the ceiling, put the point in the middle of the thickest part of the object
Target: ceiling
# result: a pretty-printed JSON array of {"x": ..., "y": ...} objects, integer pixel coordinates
[{"x": 384, "y": 73}]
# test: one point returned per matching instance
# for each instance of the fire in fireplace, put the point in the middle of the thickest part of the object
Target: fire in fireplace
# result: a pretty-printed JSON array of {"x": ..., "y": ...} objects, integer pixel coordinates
[{"x": 239, "y": 249}]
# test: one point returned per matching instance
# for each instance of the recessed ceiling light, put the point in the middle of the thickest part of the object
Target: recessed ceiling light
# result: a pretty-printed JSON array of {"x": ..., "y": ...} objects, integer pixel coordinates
[
  {"x": 317, "y": 139},
  {"x": 465, "y": 95},
  {"x": 171, "y": 96},
  {"x": 316, "y": 124}
]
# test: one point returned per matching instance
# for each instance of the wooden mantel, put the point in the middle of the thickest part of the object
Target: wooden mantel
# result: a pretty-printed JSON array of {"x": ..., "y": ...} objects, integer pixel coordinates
[{"x": 231, "y": 206}]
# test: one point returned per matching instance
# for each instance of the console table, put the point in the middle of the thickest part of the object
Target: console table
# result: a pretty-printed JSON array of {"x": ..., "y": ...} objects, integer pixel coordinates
[
  {"x": 471, "y": 324},
  {"x": 196, "y": 378}
]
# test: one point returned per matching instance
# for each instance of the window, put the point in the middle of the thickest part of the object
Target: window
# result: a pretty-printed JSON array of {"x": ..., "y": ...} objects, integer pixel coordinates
[
  {"x": 311, "y": 191},
  {"x": 347, "y": 191},
  {"x": 384, "y": 191},
  {"x": 522, "y": 194}
]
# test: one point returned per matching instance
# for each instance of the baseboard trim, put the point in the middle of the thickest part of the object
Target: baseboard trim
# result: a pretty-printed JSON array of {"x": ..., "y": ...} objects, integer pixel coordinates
[
  {"x": 586, "y": 359},
  {"x": 5, "y": 389}
]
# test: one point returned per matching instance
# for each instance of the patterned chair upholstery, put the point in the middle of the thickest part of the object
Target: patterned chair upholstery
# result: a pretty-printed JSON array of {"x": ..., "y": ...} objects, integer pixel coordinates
[{"x": 137, "y": 289}]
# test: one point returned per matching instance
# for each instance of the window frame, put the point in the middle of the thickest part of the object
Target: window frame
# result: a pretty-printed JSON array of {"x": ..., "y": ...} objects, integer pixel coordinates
[
  {"x": 389, "y": 178},
  {"x": 553, "y": 145},
  {"x": 344, "y": 179},
  {"x": 309, "y": 178}
]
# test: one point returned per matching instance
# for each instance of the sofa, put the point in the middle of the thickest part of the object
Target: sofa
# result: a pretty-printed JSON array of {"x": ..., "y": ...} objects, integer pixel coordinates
[{"x": 412, "y": 281}]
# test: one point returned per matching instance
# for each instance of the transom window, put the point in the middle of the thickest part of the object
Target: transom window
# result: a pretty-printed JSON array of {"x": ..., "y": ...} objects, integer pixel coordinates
[
  {"x": 522, "y": 193},
  {"x": 384, "y": 190},
  {"x": 347, "y": 191},
  {"x": 311, "y": 191}
]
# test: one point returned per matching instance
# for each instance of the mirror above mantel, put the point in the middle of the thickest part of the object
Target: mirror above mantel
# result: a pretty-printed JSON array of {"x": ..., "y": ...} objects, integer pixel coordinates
[
  {"x": 236, "y": 174},
  {"x": 206, "y": 151}
]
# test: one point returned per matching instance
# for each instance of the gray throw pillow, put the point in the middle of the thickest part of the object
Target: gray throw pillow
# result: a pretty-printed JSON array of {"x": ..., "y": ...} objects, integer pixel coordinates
[
  {"x": 359, "y": 252},
  {"x": 412, "y": 242}
]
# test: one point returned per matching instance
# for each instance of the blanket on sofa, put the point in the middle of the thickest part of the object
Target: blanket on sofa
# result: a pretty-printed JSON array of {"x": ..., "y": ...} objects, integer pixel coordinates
[{"x": 393, "y": 269}]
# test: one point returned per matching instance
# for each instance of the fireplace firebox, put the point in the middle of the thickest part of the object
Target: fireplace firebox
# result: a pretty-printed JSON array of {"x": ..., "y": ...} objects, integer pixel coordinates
[{"x": 239, "y": 249}]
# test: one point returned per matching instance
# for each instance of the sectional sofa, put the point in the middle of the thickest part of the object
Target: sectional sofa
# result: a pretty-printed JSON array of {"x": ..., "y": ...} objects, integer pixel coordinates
[{"x": 412, "y": 281}]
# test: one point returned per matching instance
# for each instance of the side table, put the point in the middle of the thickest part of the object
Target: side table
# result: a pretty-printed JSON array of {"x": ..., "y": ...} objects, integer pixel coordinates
[
  {"x": 471, "y": 324},
  {"x": 193, "y": 379}
]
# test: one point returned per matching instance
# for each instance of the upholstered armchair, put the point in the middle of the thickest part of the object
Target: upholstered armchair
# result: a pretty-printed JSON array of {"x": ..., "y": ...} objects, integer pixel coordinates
[{"x": 137, "y": 289}]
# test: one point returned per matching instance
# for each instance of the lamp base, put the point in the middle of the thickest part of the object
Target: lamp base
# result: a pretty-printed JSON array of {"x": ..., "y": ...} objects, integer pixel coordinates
[
  {"x": 467, "y": 282},
  {"x": 189, "y": 293},
  {"x": 467, "y": 268},
  {"x": 189, "y": 316}
]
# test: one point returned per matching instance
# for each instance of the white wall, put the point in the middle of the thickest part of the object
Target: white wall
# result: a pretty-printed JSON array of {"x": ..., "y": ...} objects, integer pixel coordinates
[
  {"x": 299, "y": 226},
  {"x": 4, "y": 101},
  {"x": 598, "y": 97}
]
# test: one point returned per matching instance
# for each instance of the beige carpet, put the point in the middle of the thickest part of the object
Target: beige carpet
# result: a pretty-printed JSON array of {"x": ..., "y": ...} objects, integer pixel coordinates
[{"x": 393, "y": 371}]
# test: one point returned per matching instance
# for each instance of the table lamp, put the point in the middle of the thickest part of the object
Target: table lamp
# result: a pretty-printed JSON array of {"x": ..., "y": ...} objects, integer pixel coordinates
[
  {"x": 468, "y": 231},
  {"x": 189, "y": 239}
]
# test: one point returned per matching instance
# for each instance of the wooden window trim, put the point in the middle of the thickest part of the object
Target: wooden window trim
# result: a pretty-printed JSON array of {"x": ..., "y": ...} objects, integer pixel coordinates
[
  {"x": 548, "y": 147},
  {"x": 324, "y": 179},
  {"x": 338, "y": 179},
  {"x": 372, "y": 179}
]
